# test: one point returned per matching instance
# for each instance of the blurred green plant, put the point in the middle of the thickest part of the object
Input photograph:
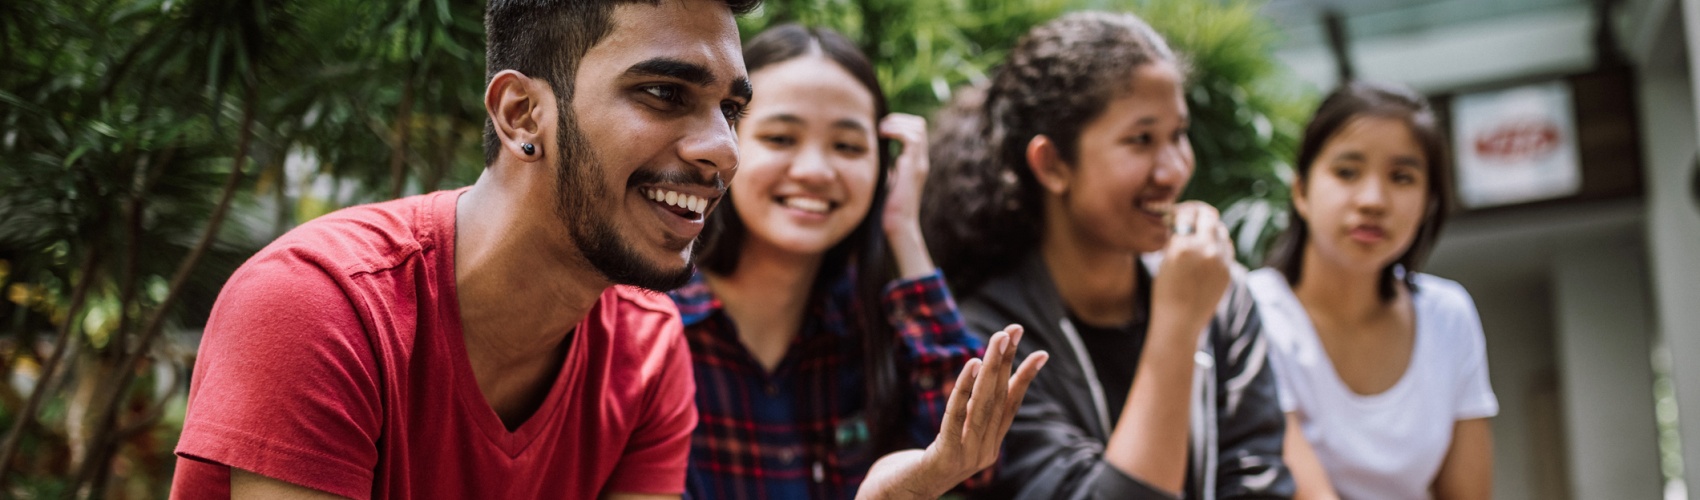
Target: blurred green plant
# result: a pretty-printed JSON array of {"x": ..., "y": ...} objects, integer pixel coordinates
[
  {"x": 147, "y": 147},
  {"x": 131, "y": 132}
]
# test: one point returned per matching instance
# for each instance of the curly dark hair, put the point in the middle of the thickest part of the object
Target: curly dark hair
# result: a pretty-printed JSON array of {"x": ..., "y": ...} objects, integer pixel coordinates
[
  {"x": 546, "y": 38},
  {"x": 984, "y": 209},
  {"x": 1360, "y": 99}
]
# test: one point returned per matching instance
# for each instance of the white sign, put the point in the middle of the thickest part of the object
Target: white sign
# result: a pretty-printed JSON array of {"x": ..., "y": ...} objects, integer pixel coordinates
[{"x": 1516, "y": 145}]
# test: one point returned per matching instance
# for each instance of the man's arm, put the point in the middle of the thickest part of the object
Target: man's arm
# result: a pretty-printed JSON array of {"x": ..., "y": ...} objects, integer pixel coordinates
[
  {"x": 246, "y": 485},
  {"x": 285, "y": 384},
  {"x": 638, "y": 496}
]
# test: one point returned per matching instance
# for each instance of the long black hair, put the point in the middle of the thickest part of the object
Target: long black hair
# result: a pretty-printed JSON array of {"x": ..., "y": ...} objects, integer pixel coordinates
[
  {"x": 863, "y": 252},
  {"x": 985, "y": 211},
  {"x": 1360, "y": 99}
]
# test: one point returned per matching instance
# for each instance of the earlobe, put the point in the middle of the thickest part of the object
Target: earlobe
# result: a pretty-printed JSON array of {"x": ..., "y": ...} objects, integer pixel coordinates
[
  {"x": 516, "y": 106},
  {"x": 1047, "y": 165}
]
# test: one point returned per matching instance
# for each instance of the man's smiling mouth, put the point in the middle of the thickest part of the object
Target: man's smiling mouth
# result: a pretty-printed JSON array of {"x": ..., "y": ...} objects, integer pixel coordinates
[{"x": 690, "y": 207}]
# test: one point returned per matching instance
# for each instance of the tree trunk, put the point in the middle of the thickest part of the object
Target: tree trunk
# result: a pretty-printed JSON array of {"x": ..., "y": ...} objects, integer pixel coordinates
[
  {"x": 26, "y": 417},
  {"x": 94, "y": 471}
]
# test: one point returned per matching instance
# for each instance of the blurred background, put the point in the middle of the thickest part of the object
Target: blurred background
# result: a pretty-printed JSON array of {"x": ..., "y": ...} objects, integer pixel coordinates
[{"x": 147, "y": 147}]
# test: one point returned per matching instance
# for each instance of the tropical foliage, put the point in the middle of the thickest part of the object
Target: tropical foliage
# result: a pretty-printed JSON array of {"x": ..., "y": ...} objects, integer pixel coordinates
[{"x": 147, "y": 147}]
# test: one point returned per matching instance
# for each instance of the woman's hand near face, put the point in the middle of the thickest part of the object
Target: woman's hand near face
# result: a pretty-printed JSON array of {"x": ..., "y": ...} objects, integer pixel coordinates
[
  {"x": 901, "y": 216},
  {"x": 1195, "y": 270},
  {"x": 978, "y": 415}
]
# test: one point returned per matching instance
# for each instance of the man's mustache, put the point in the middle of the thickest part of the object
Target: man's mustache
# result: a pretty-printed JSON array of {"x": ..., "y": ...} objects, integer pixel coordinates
[{"x": 678, "y": 177}]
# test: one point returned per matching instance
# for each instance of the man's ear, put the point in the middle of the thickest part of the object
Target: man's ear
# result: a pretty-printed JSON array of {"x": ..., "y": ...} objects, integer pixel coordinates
[
  {"x": 1047, "y": 165},
  {"x": 520, "y": 109}
]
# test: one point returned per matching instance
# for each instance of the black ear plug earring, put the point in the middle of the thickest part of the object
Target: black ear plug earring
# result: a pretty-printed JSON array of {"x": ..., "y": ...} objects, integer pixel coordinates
[{"x": 528, "y": 148}]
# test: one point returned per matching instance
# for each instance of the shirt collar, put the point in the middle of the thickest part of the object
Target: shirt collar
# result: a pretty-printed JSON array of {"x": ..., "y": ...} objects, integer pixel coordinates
[
  {"x": 696, "y": 300},
  {"x": 697, "y": 303}
]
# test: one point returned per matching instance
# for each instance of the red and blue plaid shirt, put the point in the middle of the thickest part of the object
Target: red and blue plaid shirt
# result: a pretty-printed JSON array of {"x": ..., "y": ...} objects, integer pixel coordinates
[{"x": 798, "y": 432}]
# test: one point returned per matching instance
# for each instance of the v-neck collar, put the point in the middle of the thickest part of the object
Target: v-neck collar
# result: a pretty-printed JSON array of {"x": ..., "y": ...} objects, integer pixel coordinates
[{"x": 453, "y": 340}]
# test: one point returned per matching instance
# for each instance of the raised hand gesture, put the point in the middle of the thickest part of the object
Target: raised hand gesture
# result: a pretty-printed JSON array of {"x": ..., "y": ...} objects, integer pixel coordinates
[
  {"x": 977, "y": 416},
  {"x": 901, "y": 216}
]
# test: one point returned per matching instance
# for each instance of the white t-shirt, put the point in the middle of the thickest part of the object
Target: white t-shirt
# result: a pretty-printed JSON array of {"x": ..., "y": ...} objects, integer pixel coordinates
[{"x": 1388, "y": 445}]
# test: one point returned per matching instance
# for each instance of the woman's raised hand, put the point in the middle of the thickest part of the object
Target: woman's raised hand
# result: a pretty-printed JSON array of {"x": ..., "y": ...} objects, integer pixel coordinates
[
  {"x": 978, "y": 415},
  {"x": 901, "y": 216},
  {"x": 1195, "y": 272}
]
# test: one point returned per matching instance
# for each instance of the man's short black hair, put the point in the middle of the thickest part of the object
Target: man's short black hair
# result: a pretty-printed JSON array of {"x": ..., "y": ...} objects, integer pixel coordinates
[{"x": 547, "y": 38}]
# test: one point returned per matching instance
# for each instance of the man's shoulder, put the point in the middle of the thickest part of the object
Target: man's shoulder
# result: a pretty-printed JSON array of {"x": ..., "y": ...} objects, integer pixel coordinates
[
  {"x": 640, "y": 318},
  {"x": 363, "y": 238}
]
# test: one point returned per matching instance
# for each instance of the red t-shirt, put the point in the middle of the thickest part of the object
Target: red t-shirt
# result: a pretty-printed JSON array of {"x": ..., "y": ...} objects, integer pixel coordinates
[{"x": 333, "y": 359}]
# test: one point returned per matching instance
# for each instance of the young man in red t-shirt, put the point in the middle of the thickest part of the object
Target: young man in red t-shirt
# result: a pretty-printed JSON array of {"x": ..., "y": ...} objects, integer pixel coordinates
[
  {"x": 472, "y": 343},
  {"x": 496, "y": 341}
]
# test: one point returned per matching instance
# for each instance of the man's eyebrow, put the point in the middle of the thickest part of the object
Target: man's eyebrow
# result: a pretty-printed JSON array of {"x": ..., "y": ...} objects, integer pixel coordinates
[
  {"x": 695, "y": 74},
  {"x": 741, "y": 88}
]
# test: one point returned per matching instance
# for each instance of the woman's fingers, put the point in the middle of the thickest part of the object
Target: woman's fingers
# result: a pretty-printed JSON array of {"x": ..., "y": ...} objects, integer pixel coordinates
[
  {"x": 1185, "y": 221},
  {"x": 1018, "y": 388},
  {"x": 956, "y": 408},
  {"x": 992, "y": 437},
  {"x": 983, "y": 404},
  {"x": 907, "y": 128},
  {"x": 910, "y": 130},
  {"x": 987, "y": 391}
]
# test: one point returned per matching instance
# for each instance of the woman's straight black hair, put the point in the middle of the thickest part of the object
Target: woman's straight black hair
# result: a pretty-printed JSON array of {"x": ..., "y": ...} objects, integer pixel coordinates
[{"x": 863, "y": 252}]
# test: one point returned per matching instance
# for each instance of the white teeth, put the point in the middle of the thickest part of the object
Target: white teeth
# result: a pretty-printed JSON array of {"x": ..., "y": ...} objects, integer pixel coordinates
[
  {"x": 814, "y": 205},
  {"x": 677, "y": 199},
  {"x": 1157, "y": 207}
]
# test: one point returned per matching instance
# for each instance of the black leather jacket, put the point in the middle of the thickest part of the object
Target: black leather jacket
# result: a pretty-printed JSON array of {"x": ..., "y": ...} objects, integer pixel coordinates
[{"x": 1056, "y": 446}]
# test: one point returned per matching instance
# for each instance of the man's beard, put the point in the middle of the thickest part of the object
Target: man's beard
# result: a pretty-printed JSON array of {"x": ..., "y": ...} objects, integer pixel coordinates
[{"x": 586, "y": 210}]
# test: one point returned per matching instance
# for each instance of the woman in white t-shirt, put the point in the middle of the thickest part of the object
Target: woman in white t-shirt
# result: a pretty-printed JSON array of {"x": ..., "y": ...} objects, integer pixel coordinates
[{"x": 1382, "y": 370}]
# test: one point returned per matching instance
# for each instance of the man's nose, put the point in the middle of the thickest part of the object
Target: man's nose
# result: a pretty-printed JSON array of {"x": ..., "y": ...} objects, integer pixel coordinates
[{"x": 712, "y": 145}]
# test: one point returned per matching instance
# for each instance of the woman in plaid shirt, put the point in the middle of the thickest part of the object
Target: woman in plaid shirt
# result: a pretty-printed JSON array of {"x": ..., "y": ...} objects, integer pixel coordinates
[{"x": 811, "y": 361}]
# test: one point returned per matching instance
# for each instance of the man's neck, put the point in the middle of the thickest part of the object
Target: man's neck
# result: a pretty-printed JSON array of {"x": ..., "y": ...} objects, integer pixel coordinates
[
  {"x": 522, "y": 288},
  {"x": 517, "y": 271}
]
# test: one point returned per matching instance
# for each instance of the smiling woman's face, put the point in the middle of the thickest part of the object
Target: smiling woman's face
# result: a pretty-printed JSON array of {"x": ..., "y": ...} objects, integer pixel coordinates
[
  {"x": 807, "y": 162},
  {"x": 1366, "y": 194},
  {"x": 1132, "y": 163}
]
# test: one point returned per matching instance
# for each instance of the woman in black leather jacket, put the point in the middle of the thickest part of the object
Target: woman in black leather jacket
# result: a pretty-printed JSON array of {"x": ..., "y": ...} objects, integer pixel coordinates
[{"x": 1054, "y": 207}]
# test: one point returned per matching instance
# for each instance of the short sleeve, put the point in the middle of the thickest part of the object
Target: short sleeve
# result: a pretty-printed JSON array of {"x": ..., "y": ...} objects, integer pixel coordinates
[
  {"x": 285, "y": 384},
  {"x": 1475, "y": 394},
  {"x": 658, "y": 452},
  {"x": 1283, "y": 386},
  {"x": 1270, "y": 293}
]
